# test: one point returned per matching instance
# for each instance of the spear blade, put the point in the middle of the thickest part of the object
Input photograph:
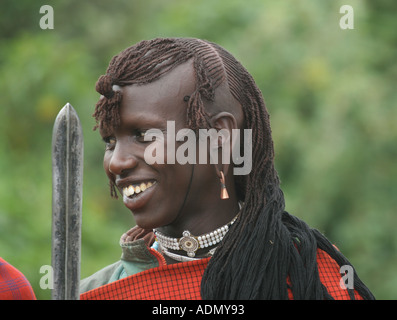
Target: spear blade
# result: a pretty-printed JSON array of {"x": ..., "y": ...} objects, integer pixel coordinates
[{"x": 67, "y": 182}]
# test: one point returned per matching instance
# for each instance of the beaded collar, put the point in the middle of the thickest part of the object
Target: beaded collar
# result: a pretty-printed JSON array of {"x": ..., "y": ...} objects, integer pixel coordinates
[{"x": 190, "y": 243}]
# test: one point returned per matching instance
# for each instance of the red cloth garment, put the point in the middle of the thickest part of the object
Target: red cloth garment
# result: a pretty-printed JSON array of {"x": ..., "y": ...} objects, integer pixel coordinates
[
  {"x": 13, "y": 284},
  {"x": 181, "y": 281},
  {"x": 330, "y": 277}
]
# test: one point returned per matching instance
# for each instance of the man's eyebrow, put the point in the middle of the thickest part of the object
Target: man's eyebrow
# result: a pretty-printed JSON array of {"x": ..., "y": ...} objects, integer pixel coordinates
[
  {"x": 147, "y": 121},
  {"x": 103, "y": 133}
]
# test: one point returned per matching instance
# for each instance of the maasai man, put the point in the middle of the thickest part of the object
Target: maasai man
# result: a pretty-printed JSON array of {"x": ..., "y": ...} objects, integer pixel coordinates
[
  {"x": 207, "y": 227},
  {"x": 13, "y": 284}
]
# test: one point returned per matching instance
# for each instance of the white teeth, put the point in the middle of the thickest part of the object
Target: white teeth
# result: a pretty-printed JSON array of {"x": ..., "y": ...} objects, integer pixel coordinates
[{"x": 130, "y": 190}]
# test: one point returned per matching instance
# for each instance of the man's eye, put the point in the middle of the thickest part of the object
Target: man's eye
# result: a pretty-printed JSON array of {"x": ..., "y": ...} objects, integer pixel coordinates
[
  {"x": 140, "y": 134},
  {"x": 110, "y": 142}
]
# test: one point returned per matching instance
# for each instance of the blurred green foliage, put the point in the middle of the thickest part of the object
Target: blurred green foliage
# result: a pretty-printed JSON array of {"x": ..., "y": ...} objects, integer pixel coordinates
[{"x": 331, "y": 94}]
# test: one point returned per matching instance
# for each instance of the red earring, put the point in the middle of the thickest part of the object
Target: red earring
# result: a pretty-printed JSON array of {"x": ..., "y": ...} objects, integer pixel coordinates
[{"x": 224, "y": 194}]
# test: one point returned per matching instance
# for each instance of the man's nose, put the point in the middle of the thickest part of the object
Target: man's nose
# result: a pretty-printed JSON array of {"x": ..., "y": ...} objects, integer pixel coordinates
[{"x": 122, "y": 160}]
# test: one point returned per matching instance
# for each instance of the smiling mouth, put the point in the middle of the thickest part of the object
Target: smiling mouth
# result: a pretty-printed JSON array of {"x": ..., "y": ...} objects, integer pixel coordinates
[{"x": 134, "y": 189}]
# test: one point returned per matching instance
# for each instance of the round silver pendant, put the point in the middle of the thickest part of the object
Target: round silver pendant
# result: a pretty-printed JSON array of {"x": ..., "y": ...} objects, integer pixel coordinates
[{"x": 189, "y": 244}]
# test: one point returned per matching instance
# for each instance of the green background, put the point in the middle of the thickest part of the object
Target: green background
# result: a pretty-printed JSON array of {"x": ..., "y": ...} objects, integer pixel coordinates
[{"x": 331, "y": 94}]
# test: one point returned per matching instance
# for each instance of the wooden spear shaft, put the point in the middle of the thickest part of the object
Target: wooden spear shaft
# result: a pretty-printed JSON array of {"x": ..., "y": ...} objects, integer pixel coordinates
[{"x": 67, "y": 182}]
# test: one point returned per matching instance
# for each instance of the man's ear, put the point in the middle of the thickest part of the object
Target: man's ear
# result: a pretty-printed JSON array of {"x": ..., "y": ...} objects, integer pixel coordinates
[{"x": 224, "y": 122}]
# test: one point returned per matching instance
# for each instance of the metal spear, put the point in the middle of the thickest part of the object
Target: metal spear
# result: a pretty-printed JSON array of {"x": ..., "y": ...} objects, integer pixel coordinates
[{"x": 67, "y": 182}]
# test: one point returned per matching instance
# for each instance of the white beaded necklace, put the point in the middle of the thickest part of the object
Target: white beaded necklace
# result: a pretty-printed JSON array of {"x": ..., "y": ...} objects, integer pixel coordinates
[{"x": 191, "y": 243}]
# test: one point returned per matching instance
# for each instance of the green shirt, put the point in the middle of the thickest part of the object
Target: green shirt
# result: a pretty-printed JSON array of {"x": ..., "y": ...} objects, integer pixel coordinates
[{"x": 135, "y": 258}]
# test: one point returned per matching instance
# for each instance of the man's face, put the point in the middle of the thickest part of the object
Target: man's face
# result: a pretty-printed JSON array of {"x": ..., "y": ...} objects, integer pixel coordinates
[{"x": 168, "y": 192}]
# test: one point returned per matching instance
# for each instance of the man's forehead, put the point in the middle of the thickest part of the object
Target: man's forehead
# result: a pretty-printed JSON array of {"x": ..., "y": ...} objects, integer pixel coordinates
[
  {"x": 178, "y": 82},
  {"x": 172, "y": 87}
]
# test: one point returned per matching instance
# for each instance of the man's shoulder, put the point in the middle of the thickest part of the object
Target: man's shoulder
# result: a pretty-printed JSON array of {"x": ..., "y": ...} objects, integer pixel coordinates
[{"x": 104, "y": 276}]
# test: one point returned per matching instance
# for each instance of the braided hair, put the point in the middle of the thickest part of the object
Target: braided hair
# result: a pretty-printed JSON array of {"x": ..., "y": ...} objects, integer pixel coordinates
[{"x": 266, "y": 245}]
